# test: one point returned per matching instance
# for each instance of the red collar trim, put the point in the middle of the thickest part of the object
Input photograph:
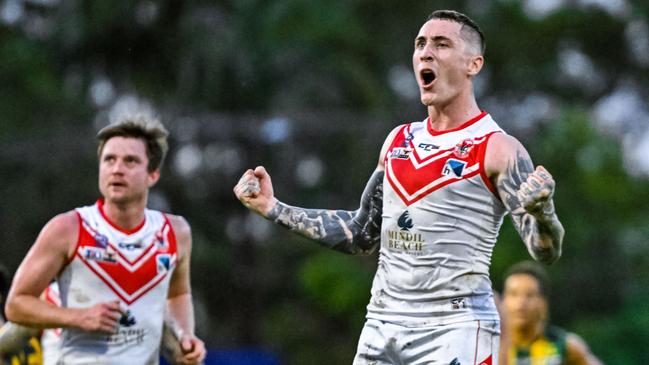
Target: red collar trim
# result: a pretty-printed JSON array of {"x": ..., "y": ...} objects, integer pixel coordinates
[
  {"x": 100, "y": 205},
  {"x": 464, "y": 125}
]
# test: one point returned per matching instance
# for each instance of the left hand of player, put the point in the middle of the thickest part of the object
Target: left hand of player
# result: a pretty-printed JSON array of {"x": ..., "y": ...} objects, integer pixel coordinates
[
  {"x": 535, "y": 193},
  {"x": 193, "y": 350}
]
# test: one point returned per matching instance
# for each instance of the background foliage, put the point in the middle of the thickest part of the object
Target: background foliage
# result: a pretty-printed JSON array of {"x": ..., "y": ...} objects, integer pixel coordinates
[{"x": 310, "y": 88}]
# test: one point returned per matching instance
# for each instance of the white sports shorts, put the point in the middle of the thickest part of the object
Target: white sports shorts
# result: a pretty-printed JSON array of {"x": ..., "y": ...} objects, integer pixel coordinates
[{"x": 463, "y": 343}]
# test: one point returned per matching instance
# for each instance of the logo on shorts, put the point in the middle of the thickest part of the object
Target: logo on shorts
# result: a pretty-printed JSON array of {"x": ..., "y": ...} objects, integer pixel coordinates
[
  {"x": 486, "y": 361},
  {"x": 453, "y": 167},
  {"x": 458, "y": 303},
  {"x": 405, "y": 222}
]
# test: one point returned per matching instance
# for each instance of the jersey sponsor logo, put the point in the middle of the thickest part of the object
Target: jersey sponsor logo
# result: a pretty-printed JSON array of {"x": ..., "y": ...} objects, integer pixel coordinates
[
  {"x": 403, "y": 240},
  {"x": 160, "y": 240},
  {"x": 163, "y": 262},
  {"x": 408, "y": 138},
  {"x": 99, "y": 254},
  {"x": 101, "y": 240},
  {"x": 130, "y": 246},
  {"x": 127, "y": 319},
  {"x": 428, "y": 147},
  {"x": 453, "y": 167},
  {"x": 463, "y": 148},
  {"x": 125, "y": 337},
  {"x": 405, "y": 222},
  {"x": 401, "y": 153}
]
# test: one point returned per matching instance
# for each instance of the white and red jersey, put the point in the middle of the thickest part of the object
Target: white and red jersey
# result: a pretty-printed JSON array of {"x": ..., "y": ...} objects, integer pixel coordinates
[
  {"x": 132, "y": 266},
  {"x": 441, "y": 218}
]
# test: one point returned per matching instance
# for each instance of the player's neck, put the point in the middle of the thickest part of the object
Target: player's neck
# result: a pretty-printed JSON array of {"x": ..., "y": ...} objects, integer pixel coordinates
[
  {"x": 453, "y": 115},
  {"x": 526, "y": 335},
  {"x": 125, "y": 215}
]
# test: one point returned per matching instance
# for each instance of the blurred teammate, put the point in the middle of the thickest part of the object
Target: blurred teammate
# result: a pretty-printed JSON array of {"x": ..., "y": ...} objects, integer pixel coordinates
[
  {"x": 23, "y": 349},
  {"x": 119, "y": 265},
  {"x": 532, "y": 340},
  {"x": 32, "y": 346},
  {"x": 435, "y": 202}
]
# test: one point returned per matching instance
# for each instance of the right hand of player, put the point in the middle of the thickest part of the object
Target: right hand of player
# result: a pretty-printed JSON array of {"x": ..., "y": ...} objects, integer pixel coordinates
[
  {"x": 101, "y": 317},
  {"x": 255, "y": 191}
]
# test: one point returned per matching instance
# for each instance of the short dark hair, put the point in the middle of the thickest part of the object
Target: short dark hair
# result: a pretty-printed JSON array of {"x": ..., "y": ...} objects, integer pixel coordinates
[
  {"x": 534, "y": 270},
  {"x": 473, "y": 31},
  {"x": 148, "y": 129}
]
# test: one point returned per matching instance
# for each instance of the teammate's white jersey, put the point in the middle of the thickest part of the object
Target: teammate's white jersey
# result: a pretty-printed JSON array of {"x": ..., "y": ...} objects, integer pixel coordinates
[
  {"x": 133, "y": 267},
  {"x": 441, "y": 218},
  {"x": 51, "y": 337}
]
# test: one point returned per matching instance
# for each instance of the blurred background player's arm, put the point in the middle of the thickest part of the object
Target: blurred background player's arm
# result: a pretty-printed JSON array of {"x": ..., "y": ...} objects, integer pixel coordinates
[
  {"x": 578, "y": 353},
  {"x": 13, "y": 337}
]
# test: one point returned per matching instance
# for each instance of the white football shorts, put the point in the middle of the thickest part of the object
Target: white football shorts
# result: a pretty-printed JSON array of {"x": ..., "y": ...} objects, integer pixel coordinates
[{"x": 462, "y": 343}]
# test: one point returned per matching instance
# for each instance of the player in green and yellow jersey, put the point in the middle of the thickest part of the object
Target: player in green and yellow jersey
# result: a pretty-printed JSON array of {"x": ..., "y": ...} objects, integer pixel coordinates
[{"x": 532, "y": 340}]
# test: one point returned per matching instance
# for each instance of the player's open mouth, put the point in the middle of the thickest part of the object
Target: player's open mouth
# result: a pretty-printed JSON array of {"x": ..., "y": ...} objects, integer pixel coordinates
[{"x": 427, "y": 77}]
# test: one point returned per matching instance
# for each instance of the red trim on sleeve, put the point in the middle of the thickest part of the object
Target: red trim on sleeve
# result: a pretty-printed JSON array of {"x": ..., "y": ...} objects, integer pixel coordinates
[
  {"x": 173, "y": 245},
  {"x": 483, "y": 173},
  {"x": 79, "y": 233}
]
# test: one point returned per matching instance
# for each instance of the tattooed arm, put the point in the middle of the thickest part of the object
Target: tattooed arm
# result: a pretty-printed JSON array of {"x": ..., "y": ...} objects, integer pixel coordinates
[
  {"x": 527, "y": 194},
  {"x": 345, "y": 231},
  {"x": 351, "y": 232}
]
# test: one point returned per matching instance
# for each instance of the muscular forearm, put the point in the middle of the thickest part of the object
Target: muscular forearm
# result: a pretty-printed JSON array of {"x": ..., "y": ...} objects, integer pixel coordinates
[
  {"x": 527, "y": 193},
  {"x": 31, "y": 311},
  {"x": 543, "y": 235},
  {"x": 180, "y": 311},
  {"x": 351, "y": 232}
]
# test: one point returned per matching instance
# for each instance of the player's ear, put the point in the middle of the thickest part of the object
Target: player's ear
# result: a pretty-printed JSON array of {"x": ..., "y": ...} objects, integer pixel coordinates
[
  {"x": 544, "y": 309},
  {"x": 475, "y": 64},
  {"x": 153, "y": 177}
]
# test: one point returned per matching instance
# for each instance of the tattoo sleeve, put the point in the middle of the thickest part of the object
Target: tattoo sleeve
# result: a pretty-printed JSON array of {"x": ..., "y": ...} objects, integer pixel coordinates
[
  {"x": 351, "y": 232},
  {"x": 540, "y": 229}
]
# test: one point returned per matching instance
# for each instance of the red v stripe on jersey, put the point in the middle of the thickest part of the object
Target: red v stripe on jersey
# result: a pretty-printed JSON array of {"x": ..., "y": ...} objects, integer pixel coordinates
[
  {"x": 134, "y": 263},
  {"x": 128, "y": 280},
  {"x": 128, "y": 286},
  {"x": 414, "y": 178}
]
